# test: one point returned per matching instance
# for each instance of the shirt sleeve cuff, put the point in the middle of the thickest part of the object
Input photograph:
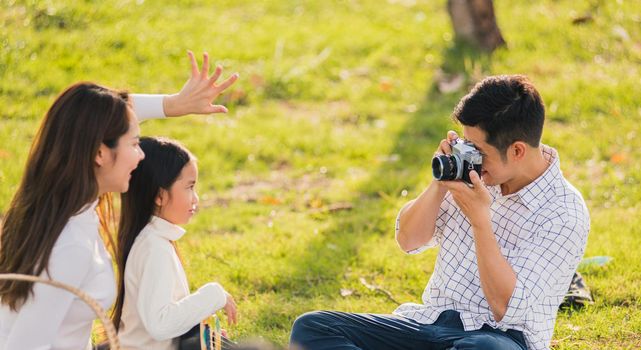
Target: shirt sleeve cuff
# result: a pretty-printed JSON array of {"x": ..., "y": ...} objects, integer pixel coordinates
[
  {"x": 517, "y": 306},
  {"x": 148, "y": 106},
  {"x": 426, "y": 246},
  {"x": 216, "y": 295}
]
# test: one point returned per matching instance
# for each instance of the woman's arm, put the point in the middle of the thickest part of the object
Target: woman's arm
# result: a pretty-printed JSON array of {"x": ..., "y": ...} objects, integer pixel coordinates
[
  {"x": 195, "y": 97},
  {"x": 38, "y": 323},
  {"x": 148, "y": 106}
]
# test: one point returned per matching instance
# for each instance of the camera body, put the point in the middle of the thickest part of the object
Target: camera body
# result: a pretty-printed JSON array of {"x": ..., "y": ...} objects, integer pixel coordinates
[{"x": 457, "y": 166}]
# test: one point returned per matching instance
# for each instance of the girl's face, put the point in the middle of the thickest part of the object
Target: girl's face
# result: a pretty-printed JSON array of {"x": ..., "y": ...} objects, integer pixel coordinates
[
  {"x": 114, "y": 166},
  {"x": 178, "y": 204}
]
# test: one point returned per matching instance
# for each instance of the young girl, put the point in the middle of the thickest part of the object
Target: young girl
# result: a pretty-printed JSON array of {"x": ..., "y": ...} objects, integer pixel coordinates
[
  {"x": 154, "y": 306},
  {"x": 85, "y": 149}
]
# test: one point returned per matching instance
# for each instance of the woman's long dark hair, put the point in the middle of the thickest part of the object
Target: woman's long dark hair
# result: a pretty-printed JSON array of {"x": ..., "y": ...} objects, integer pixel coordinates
[
  {"x": 164, "y": 160},
  {"x": 59, "y": 180}
]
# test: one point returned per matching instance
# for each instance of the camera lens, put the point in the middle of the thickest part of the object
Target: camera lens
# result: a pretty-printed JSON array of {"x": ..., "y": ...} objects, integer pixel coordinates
[{"x": 444, "y": 167}]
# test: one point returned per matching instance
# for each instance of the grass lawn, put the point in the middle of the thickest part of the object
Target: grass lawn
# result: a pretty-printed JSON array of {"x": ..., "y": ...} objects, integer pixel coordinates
[{"x": 332, "y": 127}]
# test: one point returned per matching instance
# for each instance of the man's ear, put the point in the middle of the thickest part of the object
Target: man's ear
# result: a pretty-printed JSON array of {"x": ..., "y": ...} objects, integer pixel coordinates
[
  {"x": 103, "y": 155},
  {"x": 518, "y": 150}
]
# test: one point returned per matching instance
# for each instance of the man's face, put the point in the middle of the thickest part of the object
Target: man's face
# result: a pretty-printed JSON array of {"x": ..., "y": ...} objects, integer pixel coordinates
[{"x": 496, "y": 170}]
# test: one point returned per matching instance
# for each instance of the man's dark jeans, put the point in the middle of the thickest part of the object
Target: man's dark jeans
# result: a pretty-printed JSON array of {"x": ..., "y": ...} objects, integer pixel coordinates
[{"x": 323, "y": 330}]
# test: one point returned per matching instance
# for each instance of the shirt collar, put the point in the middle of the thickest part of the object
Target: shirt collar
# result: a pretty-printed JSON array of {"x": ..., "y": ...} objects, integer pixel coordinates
[
  {"x": 163, "y": 228},
  {"x": 532, "y": 194}
]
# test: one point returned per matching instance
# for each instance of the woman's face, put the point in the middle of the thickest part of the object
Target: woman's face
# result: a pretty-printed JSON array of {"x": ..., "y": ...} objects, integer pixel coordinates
[
  {"x": 115, "y": 165},
  {"x": 178, "y": 204}
]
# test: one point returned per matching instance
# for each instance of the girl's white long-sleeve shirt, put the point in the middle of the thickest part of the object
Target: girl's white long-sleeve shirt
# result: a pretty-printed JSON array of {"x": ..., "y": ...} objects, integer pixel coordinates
[
  {"x": 53, "y": 318},
  {"x": 158, "y": 306}
]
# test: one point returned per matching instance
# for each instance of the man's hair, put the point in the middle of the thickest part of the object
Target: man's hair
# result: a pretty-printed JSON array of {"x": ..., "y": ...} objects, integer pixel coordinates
[{"x": 507, "y": 108}]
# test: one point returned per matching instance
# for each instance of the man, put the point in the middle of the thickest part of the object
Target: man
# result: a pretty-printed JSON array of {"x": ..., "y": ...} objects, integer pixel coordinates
[{"x": 510, "y": 243}]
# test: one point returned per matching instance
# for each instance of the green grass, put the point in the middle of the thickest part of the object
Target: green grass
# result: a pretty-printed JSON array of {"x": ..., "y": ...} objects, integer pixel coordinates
[{"x": 337, "y": 104}]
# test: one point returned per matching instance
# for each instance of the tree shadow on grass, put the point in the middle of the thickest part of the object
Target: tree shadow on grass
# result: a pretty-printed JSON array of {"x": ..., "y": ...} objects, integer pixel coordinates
[{"x": 319, "y": 270}]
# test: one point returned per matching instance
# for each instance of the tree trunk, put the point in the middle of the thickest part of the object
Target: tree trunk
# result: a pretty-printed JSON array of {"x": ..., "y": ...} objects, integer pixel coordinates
[{"x": 474, "y": 22}]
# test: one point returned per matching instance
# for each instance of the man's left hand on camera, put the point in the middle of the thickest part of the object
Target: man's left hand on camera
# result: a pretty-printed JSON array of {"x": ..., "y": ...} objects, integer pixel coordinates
[{"x": 474, "y": 201}]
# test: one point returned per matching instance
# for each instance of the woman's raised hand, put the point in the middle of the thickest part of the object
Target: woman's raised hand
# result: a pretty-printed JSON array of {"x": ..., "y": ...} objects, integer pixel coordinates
[{"x": 200, "y": 90}]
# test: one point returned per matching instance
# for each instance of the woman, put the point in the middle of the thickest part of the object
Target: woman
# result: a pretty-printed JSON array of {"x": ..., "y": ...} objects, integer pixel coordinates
[{"x": 86, "y": 148}]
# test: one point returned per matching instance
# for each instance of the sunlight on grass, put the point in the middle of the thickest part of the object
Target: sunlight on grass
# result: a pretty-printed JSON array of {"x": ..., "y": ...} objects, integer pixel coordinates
[{"x": 331, "y": 129}]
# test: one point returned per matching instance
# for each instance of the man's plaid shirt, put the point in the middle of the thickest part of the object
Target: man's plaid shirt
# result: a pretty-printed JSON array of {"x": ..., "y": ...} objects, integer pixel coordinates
[{"x": 542, "y": 231}]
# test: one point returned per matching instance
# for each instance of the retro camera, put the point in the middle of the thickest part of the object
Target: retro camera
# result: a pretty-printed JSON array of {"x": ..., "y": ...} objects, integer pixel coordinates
[{"x": 457, "y": 166}]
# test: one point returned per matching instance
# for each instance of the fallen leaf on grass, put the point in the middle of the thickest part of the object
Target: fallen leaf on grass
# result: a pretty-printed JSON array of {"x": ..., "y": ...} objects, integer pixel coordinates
[
  {"x": 386, "y": 85},
  {"x": 270, "y": 200},
  {"x": 618, "y": 158}
]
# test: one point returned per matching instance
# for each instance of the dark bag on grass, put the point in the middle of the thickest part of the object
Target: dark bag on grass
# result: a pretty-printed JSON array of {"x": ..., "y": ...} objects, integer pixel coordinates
[{"x": 578, "y": 295}]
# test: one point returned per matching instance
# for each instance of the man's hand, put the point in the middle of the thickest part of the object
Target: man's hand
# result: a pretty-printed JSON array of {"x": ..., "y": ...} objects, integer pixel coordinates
[
  {"x": 474, "y": 202},
  {"x": 497, "y": 277},
  {"x": 230, "y": 309},
  {"x": 200, "y": 90},
  {"x": 445, "y": 146}
]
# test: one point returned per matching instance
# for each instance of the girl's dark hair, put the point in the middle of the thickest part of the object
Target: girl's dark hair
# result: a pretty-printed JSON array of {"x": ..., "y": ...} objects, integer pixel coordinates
[
  {"x": 164, "y": 160},
  {"x": 507, "y": 107},
  {"x": 59, "y": 181}
]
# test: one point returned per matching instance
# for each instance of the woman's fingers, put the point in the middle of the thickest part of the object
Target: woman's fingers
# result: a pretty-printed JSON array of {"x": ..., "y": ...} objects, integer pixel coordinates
[
  {"x": 194, "y": 64},
  {"x": 205, "y": 71},
  {"x": 217, "y": 109},
  {"x": 227, "y": 83},
  {"x": 216, "y": 74}
]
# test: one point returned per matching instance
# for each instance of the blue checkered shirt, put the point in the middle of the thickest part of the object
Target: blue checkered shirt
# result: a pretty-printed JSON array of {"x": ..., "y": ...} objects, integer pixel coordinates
[{"x": 542, "y": 231}]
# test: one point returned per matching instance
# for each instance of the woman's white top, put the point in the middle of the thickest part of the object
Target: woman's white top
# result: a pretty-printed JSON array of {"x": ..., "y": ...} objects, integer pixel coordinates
[
  {"x": 158, "y": 307},
  {"x": 53, "y": 318}
]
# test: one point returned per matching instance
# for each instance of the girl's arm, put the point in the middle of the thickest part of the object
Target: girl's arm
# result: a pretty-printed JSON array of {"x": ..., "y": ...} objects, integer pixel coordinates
[
  {"x": 162, "y": 316},
  {"x": 195, "y": 97}
]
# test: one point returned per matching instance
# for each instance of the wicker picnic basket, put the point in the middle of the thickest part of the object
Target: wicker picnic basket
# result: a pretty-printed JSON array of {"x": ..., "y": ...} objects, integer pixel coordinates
[{"x": 114, "y": 344}]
